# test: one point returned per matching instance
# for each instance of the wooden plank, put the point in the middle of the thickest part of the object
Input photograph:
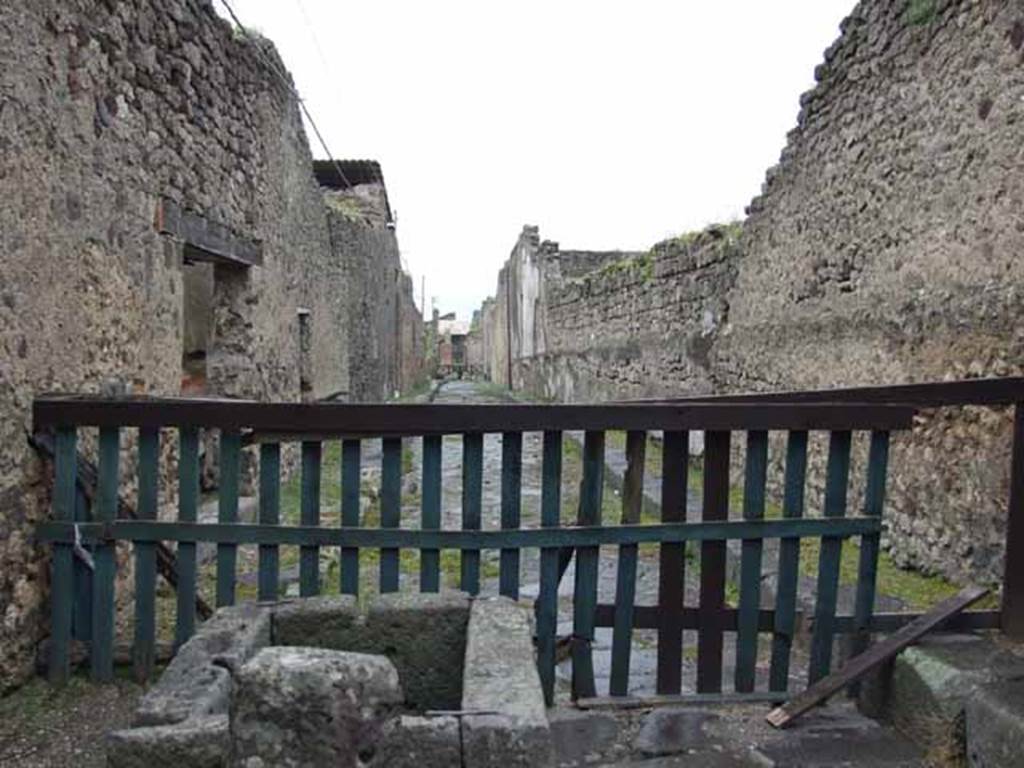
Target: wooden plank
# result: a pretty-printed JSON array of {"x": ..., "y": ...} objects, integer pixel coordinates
[
  {"x": 390, "y": 511},
  {"x": 647, "y": 617},
  {"x": 585, "y": 592},
  {"x": 521, "y": 538},
  {"x": 874, "y": 657},
  {"x": 430, "y": 559},
  {"x": 547, "y": 599},
  {"x": 784, "y": 625},
  {"x": 351, "y": 479},
  {"x": 675, "y": 700},
  {"x": 1013, "y": 573},
  {"x": 672, "y": 564},
  {"x": 625, "y": 586},
  {"x": 472, "y": 504},
  {"x": 867, "y": 567},
  {"x": 435, "y": 419},
  {"x": 935, "y": 394},
  {"x": 227, "y": 513},
  {"x": 188, "y": 505},
  {"x": 101, "y": 656},
  {"x": 270, "y": 514},
  {"x": 837, "y": 475},
  {"x": 712, "y": 564},
  {"x": 61, "y": 607},
  {"x": 511, "y": 481},
  {"x": 144, "y": 644},
  {"x": 750, "y": 563},
  {"x": 309, "y": 514}
]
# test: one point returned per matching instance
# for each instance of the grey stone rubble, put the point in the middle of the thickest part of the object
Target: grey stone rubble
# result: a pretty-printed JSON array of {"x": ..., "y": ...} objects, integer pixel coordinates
[{"x": 318, "y": 681}]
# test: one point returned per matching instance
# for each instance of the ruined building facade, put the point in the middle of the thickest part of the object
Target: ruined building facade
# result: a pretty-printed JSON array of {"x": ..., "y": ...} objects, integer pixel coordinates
[
  {"x": 161, "y": 231},
  {"x": 885, "y": 248}
]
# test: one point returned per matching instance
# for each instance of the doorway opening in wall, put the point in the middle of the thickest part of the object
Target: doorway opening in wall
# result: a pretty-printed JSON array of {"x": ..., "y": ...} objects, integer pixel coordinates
[
  {"x": 305, "y": 356},
  {"x": 197, "y": 325}
]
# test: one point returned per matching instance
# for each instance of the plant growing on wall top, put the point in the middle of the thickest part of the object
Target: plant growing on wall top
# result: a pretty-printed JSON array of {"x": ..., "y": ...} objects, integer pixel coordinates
[{"x": 920, "y": 12}]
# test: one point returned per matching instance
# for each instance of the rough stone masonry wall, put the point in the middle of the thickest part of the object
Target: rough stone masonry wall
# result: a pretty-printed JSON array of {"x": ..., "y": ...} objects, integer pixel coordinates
[
  {"x": 884, "y": 249},
  {"x": 641, "y": 325},
  {"x": 105, "y": 108},
  {"x": 383, "y": 326}
]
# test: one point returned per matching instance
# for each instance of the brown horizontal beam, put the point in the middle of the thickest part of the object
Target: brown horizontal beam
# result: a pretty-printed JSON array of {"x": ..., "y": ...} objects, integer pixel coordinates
[
  {"x": 205, "y": 239},
  {"x": 647, "y": 617},
  {"x": 936, "y": 394},
  {"x": 410, "y": 419}
]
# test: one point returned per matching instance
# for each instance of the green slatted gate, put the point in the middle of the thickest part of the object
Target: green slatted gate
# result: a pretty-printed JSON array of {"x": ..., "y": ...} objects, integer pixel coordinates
[{"x": 750, "y": 623}]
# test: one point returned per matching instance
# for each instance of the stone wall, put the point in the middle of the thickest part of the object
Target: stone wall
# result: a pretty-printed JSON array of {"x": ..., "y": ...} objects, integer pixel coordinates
[
  {"x": 384, "y": 336},
  {"x": 884, "y": 249},
  {"x": 112, "y": 114}
]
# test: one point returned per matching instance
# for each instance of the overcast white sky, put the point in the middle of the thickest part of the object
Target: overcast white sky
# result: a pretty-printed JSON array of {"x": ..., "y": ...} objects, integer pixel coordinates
[{"x": 608, "y": 124}]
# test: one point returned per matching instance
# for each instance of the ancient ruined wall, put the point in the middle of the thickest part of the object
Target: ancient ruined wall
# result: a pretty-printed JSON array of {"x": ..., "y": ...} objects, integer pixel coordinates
[
  {"x": 613, "y": 324},
  {"x": 384, "y": 339},
  {"x": 886, "y": 248},
  {"x": 107, "y": 109},
  {"x": 411, "y": 340},
  {"x": 640, "y": 325}
]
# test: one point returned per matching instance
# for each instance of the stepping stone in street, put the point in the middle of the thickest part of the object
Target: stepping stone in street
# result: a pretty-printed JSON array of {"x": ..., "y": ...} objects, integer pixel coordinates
[{"x": 670, "y": 731}]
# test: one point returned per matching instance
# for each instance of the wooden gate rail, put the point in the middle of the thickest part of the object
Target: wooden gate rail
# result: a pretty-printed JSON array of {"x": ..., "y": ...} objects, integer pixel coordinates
[
  {"x": 990, "y": 392},
  {"x": 239, "y": 423}
]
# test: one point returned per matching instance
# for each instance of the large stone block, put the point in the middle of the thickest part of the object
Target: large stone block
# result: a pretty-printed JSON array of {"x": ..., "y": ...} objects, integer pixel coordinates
[
  {"x": 425, "y": 636},
  {"x": 202, "y": 742},
  {"x": 295, "y": 706},
  {"x": 197, "y": 682},
  {"x": 419, "y": 742},
  {"x": 328, "y": 621},
  {"x": 501, "y": 683},
  {"x": 995, "y": 725}
]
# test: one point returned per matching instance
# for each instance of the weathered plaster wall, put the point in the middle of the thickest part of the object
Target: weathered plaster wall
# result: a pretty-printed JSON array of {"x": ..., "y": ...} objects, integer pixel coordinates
[
  {"x": 884, "y": 249},
  {"x": 105, "y": 109}
]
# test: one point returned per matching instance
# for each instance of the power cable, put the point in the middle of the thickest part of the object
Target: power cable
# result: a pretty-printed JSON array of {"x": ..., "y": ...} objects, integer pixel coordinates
[{"x": 291, "y": 88}]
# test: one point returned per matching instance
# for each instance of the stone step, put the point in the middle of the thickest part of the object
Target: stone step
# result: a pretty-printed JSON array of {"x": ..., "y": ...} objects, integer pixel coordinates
[
  {"x": 995, "y": 725},
  {"x": 833, "y": 736}
]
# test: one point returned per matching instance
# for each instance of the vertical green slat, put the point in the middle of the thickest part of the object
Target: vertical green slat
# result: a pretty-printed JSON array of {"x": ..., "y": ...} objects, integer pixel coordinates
[
  {"x": 350, "y": 489},
  {"x": 867, "y": 571},
  {"x": 472, "y": 503},
  {"x": 672, "y": 563},
  {"x": 188, "y": 502},
  {"x": 144, "y": 647},
  {"x": 227, "y": 512},
  {"x": 625, "y": 587},
  {"x": 789, "y": 562},
  {"x": 430, "y": 559},
  {"x": 270, "y": 514},
  {"x": 65, "y": 467},
  {"x": 585, "y": 591},
  {"x": 390, "y": 509},
  {"x": 101, "y": 656},
  {"x": 511, "y": 477},
  {"x": 836, "y": 478},
  {"x": 750, "y": 563},
  {"x": 309, "y": 556},
  {"x": 547, "y": 599},
  {"x": 712, "y": 564}
]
